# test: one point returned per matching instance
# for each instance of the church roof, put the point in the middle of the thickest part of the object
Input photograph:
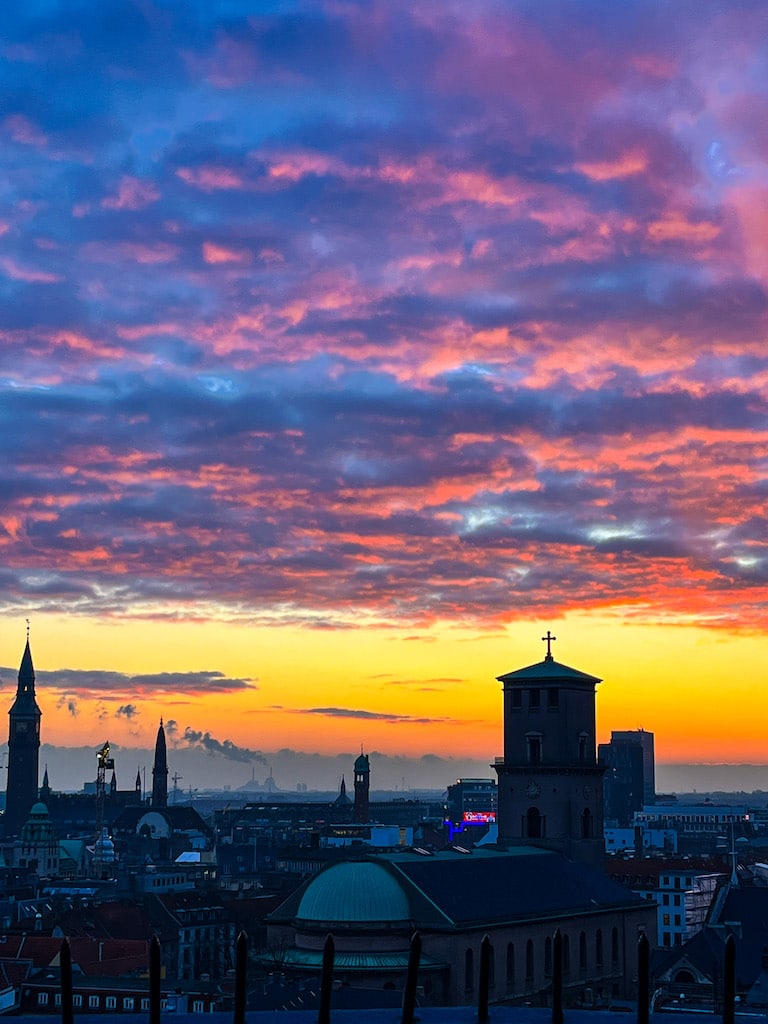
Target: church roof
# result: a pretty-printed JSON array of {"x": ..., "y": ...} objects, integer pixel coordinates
[
  {"x": 354, "y": 892},
  {"x": 452, "y": 890},
  {"x": 548, "y": 670}
]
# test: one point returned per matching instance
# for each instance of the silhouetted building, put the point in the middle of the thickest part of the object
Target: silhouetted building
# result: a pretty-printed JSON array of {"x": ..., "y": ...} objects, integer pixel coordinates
[
  {"x": 160, "y": 770},
  {"x": 643, "y": 739},
  {"x": 623, "y": 781},
  {"x": 362, "y": 789},
  {"x": 550, "y": 785},
  {"x": 23, "y": 748}
]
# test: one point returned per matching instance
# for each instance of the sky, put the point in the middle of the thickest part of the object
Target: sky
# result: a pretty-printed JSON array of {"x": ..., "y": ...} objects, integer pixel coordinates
[{"x": 347, "y": 347}]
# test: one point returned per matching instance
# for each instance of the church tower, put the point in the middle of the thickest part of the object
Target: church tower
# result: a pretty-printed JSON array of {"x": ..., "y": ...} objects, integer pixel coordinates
[
  {"x": 550, "y": 786},
  {"x": 160, "y": 771},
  {"x": 362, "y": 789},
  {"x": 23, "y": 748}
]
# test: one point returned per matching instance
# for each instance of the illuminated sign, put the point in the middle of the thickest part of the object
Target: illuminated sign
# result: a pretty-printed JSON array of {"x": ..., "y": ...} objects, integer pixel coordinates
[{"x": 479, "y": 817}]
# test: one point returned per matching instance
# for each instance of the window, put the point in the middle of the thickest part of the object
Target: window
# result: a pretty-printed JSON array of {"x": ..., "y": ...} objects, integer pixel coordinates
[
  {"x": 145, "y": 1004},
  {"x": 677, "y": 920},
  {"x": 128, "y": 1003},
  {"x": 534, "y": 824},
  {"x": 111, "y": 1002},
  {"x": 566, "y": 948},
  {"x": 510, "y": 965},
  {"x": 677, "y": 900},
  {"x": 491, "y": 967},
  {"x": 57, "y": 999},
  {"x": 553, "y": 700},
  {"x": 42, "y": 998},
  {"x": 517, "y": 700},
  {"x": 665, "y": 900},
  {"x": 529, "y": 963},
  {"x": 582, "y": 747},
  {"x": 533, "y": 740},
  {"x": 534, "y": 699},
  {"x": 77, "y": 999},
  {"x": 599, "y": 947},
  {"x": 198, "y": 1006},
  {"x": 93, "y": 1002},
  {"x": 582, "y": 951},
  {"x": 469, "y": 971},
  {"x": 665, "y": 919},
  {"x": 548, "y": 957},
  {"x": 586, "y": 824},
  {"x": 615, "y": 947}
]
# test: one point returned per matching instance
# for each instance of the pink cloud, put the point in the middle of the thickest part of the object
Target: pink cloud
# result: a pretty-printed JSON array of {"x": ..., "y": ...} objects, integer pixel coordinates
[
  {"x": 210, "y": 178},
  {"x": 24, "y": 131},
  {"x": 17, "y": 272},
  {"x": 132, "y": 194},
  {"x": 213, "y": 253}
]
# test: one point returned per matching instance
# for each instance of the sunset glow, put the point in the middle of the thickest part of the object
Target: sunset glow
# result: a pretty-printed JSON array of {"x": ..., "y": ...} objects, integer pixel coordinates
[{"x": 347, "y": 348}]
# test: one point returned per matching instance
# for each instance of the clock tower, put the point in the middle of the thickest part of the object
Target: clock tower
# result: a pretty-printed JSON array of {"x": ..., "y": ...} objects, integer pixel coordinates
[
  {"x": 550, "y": 788},
  {"x": 23, "y": 749}
]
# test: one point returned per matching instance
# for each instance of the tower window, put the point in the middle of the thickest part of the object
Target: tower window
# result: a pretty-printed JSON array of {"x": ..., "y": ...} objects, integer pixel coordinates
[
  {"x": 516, "y": 700},
  {"x": 586, "y": 824},
  {"x": 583, "y": 747},
  {"x": 534, "y": 748},
  {"x": 534, "y": 699},
  {"x": 553, "y": 700}
]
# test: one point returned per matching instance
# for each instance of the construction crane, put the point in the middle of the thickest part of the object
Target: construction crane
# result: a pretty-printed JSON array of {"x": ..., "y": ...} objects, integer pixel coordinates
[
  {"x": 103, "y": 764},
  {"x": 176, "y": 779}
]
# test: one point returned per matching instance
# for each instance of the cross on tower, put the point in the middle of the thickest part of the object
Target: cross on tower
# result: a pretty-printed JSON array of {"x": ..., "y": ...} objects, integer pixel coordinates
[{"x": 549, "y": 638}]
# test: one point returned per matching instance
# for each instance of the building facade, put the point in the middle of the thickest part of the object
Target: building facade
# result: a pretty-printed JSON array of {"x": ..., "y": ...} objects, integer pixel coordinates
[{"x": 550, "y": 787}]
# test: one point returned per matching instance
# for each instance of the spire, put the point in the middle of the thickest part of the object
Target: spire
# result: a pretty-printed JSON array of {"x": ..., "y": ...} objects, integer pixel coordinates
[
  {"x": 138, "y": 779},
  {"x": 113, "y": 783},
  {"x": 160, "y": 770},
  {"x": 343, "y": 787}
]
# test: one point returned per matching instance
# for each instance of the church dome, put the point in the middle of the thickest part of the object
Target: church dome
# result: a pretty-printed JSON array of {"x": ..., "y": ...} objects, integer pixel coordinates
[
  {"x": 354, "y": 892},
  {"x": 362, "y": 763},
  {"x": 38, "y": 810}
]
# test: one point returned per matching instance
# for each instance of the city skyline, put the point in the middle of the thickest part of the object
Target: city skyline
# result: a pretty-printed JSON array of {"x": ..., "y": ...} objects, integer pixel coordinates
[{"x": 348, "y": 349}]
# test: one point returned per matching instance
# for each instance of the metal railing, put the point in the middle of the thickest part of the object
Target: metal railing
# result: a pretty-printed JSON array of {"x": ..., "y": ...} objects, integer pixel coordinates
[{"x": 409, "y": 994}]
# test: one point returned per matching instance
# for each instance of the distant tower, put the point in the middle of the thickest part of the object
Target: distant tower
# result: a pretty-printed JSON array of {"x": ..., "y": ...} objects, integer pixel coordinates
[
  {"x": 23, "y": 748},
  {"x": 138, "y": 780},
  {"x": 550, "y": 785},
  {"x": 362, "y": 788},
  {"x": 160, "y": 771}
]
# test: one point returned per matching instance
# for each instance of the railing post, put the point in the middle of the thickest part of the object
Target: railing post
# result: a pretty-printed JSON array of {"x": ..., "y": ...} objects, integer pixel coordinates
[
  {"x": 411, "y": 977},
  {"x": 729, "y": 981},
  {"x": 329, "y": 952},
  {"x": 241, "y": 974},
  {"x": 643, "y": 980},
  {"x": 65, "y": 962},
  {"x": 484, "y": 981},
  {"x": 154, "y": 980},
  {"x": 557, "y": 978}
]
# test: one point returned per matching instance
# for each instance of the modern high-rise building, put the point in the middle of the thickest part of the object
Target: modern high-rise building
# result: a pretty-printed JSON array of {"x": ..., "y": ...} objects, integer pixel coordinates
[{"x": 629, "y": 774}]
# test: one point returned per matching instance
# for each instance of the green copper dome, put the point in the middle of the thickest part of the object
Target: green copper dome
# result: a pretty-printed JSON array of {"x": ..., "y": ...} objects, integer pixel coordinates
[{"x": 354, "y": 891}]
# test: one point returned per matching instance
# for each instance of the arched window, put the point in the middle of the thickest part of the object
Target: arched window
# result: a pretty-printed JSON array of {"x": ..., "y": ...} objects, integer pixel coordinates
[
  {"x": 469, "y": 971},
  {"x": 566, "y": 947},
  {"x": 534, "y": 824},
  {"x": 529, "y": 963},
  {"x": 548, "y": 957},
  {"x": 491, "y": 967},
  {"x": 615, "y": 947},
  {"x": 510, "y": 966},
  {"x": 586, "y": 824},
  {"x": 582, "y": 951},
  {"x": 599, "y": 947}
]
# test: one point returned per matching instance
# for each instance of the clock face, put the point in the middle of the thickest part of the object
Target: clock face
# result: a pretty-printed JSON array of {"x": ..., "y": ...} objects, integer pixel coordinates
[{"x": 533, "y": 790}]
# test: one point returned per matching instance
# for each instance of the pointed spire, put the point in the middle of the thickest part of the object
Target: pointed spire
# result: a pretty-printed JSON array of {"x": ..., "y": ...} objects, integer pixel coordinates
[
  {"x": 343, "y": 788},
  {"x": 26, "y": 672},
  {"x": 45, "y": 778},
  {"x": 160, "y": 770},
  {"x": 138, "y": 779}
]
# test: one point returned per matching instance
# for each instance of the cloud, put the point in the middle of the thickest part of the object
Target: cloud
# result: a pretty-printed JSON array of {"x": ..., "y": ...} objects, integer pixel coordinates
[
  {"x": 127, "y": 711},
  {"x": 470, "y": 324},
  {"x": 368, "y": 715},
  {"x": 98, "y": 682}
]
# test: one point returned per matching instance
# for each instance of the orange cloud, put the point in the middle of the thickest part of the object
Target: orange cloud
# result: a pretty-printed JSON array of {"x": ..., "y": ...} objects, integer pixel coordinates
[{"x": 213, "y": 253}]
